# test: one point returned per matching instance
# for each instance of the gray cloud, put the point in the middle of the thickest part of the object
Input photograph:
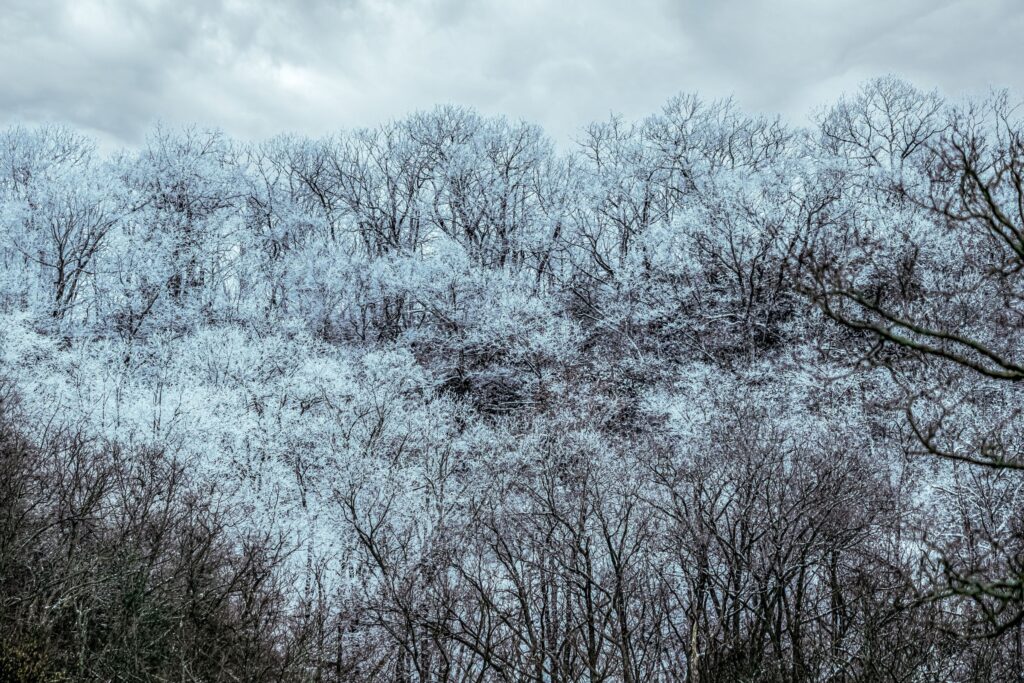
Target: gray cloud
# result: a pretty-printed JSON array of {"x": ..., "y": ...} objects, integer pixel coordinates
[{"x": 257, "y": 67}]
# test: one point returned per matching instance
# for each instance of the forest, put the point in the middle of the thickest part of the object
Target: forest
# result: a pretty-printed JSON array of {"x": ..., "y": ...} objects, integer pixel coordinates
[{"x": 706, "y": 397}]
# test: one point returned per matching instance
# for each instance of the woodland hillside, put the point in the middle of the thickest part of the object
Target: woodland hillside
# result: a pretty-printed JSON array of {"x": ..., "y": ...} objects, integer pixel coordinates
[{"x": 703, "y": 397}]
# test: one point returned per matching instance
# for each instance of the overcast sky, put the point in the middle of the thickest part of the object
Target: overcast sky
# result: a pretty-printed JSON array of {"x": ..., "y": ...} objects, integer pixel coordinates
[{"x": 259, "y": 67}]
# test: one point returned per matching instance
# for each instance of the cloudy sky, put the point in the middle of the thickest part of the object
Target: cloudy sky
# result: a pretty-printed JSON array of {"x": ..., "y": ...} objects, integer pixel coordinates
[{"x": 258, "y": 67}]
